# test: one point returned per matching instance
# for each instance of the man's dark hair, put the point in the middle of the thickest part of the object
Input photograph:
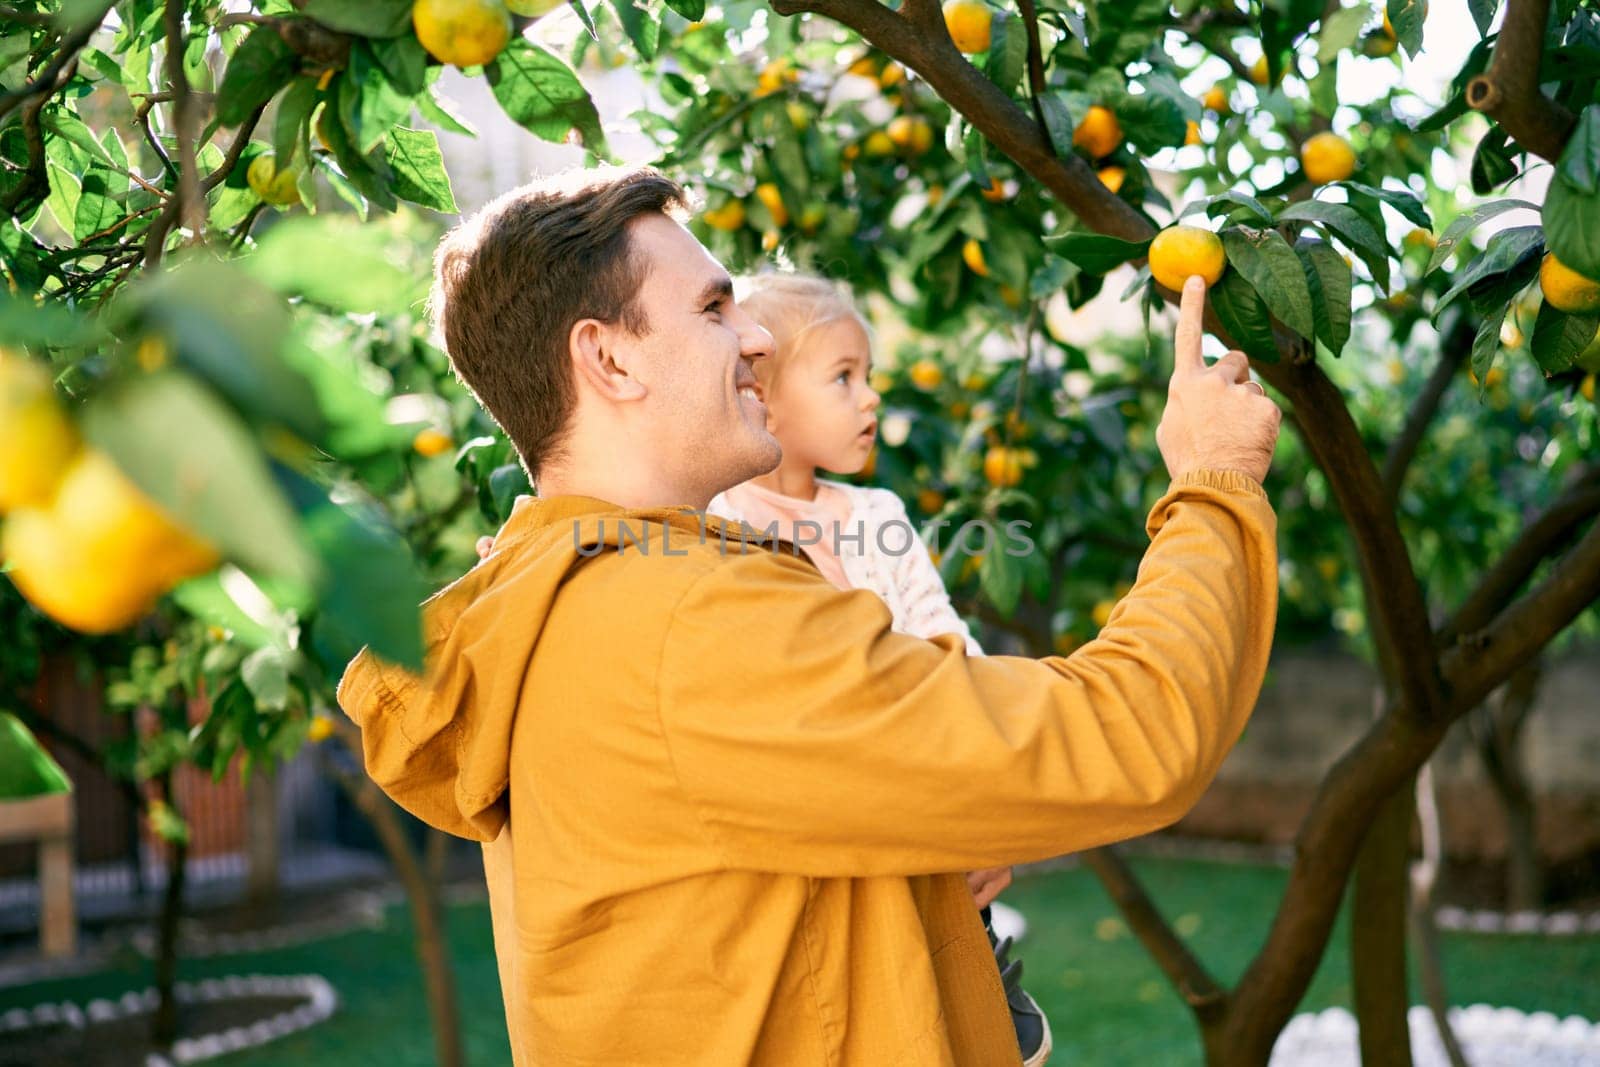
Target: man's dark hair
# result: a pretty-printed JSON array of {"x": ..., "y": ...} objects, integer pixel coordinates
[{"x": 510, "y": 281}]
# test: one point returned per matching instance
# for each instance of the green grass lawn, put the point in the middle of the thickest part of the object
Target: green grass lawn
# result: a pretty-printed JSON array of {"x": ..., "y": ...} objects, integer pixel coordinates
[{"x": 1107, "y": 1002}]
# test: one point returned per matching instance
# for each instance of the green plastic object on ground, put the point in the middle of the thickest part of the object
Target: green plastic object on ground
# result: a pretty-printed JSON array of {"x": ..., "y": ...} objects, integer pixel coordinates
[{"x": 26, "y": 769}]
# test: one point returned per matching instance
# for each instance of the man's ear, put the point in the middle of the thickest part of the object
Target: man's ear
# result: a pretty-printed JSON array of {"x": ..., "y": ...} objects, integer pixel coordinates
[{"x": 601, "y": 363}]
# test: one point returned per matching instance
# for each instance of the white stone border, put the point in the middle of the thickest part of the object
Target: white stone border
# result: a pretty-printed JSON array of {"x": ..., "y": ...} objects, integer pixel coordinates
[
  {"x": 1330, "y": 1037},
  {"x": 321, "y": 1002},
  {"x": 1483, "y": 921}
]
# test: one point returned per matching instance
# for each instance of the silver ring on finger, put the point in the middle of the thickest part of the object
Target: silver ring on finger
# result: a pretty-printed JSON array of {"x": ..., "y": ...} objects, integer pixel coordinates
[{"x": 1256, "y": 386}]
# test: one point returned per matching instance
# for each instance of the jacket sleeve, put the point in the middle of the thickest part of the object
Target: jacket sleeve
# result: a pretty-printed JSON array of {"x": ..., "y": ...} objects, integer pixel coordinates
[
  {"x": 811, "y": 739},
  {"x": 928, "y": 611}
]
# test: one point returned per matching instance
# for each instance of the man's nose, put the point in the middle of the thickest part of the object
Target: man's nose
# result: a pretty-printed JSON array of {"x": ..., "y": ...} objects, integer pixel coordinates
[{"x": 754, "y": 340}]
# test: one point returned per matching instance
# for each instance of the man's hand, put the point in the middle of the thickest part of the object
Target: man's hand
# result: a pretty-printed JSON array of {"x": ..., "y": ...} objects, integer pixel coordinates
[
  {"x": 1216, "y": 417},
  {"x": 988, "y": 884}
]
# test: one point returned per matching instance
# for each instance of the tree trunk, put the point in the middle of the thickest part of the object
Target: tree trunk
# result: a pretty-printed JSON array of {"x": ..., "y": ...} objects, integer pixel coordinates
[
  {"x": 261, "y": 839},
  {"x": 164, "y": 1024},
  {"x": 1378, "y": 935},
  {"x": 427, "y": 913},
  {"x": 1497, "y": 729}
]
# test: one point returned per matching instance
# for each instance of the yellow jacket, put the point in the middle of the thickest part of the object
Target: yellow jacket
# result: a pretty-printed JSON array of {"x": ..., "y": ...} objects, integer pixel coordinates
[{"x": 720, "y": 798}]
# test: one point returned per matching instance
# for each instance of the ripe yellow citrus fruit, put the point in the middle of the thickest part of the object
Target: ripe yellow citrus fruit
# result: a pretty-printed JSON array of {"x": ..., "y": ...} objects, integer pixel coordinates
[
  {"x": 276, "y": 187},
  {"x": 912, "y": 134},
  {"x": 1002, "y": 466},
  {"x": 969, "y": 23},
  {"x": 770, "y": 241},
  {"x": 1009, "y": 296},
  {"x": 1259, "y": 72},
  {"x": 775, "y": 76},
  {"x": 1586, "y": 390},
  {"x": 37, "y": 440},
  {"x": 727, "y": 218},
  {"x": 926, "y": 375},
  {"x": 1216, "y": 99},
  {"x": 431, "y": 442},
  {"x": 935, "y": 194},
  {"x": 769, "y": 194},
  {"x": 881, "y": 381},
  {"x": 893, "y": 74},
  {"x": 878, "y": 144},
  {"x": 321, "y": 727},
  {"x": 1066, "y": 644},
  {"x": 1567, "y": 290},
  {"x": 1420, "y": 238},
  {"x": 972, "y": 255},
  {"x": 1112, "y": 177},
  {"x": 1327, "y": 157},
  {"x": 1101, "y": 614},
  {"x": 1191, "y": 134},
  {"x": 1099, "y": 133},
  {"x": 97, "y": 557},
  {"x": 930, "y": 500},
  {"x": 465, "y": 33},
  {"x": 1179, "y": 251},
  {"x": 799, "y": 117}
]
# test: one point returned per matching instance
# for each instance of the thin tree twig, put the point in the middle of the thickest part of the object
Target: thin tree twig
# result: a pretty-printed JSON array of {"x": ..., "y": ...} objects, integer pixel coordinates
[
  {"x": 1457, "y": 346},
  {"x": 47, "y": 80}
]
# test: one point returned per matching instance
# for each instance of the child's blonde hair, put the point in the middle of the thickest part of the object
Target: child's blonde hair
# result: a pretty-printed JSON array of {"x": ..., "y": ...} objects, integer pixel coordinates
[{"x": 790, "y": 305}]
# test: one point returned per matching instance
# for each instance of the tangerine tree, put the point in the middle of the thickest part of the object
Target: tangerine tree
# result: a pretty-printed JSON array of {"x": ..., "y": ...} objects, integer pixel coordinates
[{"x": 262, "y": 382}]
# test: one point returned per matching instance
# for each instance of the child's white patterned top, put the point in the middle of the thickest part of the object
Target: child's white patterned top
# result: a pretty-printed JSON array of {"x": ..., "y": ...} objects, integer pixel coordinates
[{"x": 880, "y": 550}]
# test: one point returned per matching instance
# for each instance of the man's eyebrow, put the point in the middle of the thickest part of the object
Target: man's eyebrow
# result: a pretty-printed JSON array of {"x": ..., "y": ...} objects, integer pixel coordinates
[{"x": 716, "y": 290}]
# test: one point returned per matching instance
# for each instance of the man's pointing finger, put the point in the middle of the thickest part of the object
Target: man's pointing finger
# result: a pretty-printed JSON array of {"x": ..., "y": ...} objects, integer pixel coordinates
[{"x": 1191, "y": 310}]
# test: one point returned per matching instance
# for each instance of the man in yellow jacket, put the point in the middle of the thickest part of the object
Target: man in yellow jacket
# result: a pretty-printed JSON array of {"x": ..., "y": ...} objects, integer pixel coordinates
[{"x": 723, "y": 804}]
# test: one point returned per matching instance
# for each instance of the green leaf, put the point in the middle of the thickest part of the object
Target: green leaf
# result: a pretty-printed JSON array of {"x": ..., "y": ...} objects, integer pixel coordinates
[
  {"x": 1151, "y": 121},
  {"x": 335, "y": 263},
  {"x": 542, "y": 94},
  {"x": 419, "y": 174},
  {"x": 194, "y": 457},
  {"x": 1328, "y": 276},
  {"x": 1486, "y": 343},
  {"x": 1572, "y": 227},
  {"x": 1000, "y": 577},
  {"x": 373, "y": 593},
  {"x": 260, "y": 66},
  {"x": 1094, "y": 252},
  {"x": 1008, "y": 52},
  {"x": 369, "y": 174},
  {"x": 96, "y": 209},
  {"x": 1462, "y": 226},
  {"x": 64, "y": 123},
  {"x": 1406, "y": 203},
  {"x": 225, "y": 327},
  {"x": 437, "y": 111},
  {"x": 369, "y": 105},
  {"x": 1059, "y": 121},
  {"x": 405, "y": 61},
  {"x": 1406, "y": 18},
  {"x": 209, "y": 599},
  {"x": 1270, "y": 265},
  {"x": 1351, "y": 227},
  {"x": 1341, "y": 30},
  {"x": 1244, "y": 315},
  {"x": 1558, "y": 337},
  {"x": 1252, "y": 207},
  {"x": 289, "y": 124},
  {"x": 1491, "y": 162},
  {"x": 366, "y": 18},
  {"x": 1579, "y": 165},
  {"x": 1504, "y": 252},
  {"x": 693, "y": 10},
  {"x": 1483, "y": 14},
  {"x": 640, "y": 26},
  {"x": 265, "y": 672}
]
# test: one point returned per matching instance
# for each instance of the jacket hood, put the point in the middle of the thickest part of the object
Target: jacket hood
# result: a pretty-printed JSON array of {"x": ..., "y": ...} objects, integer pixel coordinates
[{"x": 440, "y": 743}]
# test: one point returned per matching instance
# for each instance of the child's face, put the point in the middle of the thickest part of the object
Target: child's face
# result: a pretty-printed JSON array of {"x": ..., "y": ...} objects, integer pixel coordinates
[{"x": 822, "y": 410}]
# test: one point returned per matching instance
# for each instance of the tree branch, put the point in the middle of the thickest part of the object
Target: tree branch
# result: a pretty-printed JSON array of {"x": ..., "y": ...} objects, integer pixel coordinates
[
  {"x": 1475, "y": 667},
  {"x": 1541, "y": 538},
  {"x": 1036, "y": 83},
  {"x": 189, "y": 207},
  {"x": 1188, "y": 976},
  {"x": 1508, "y": 91}
]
